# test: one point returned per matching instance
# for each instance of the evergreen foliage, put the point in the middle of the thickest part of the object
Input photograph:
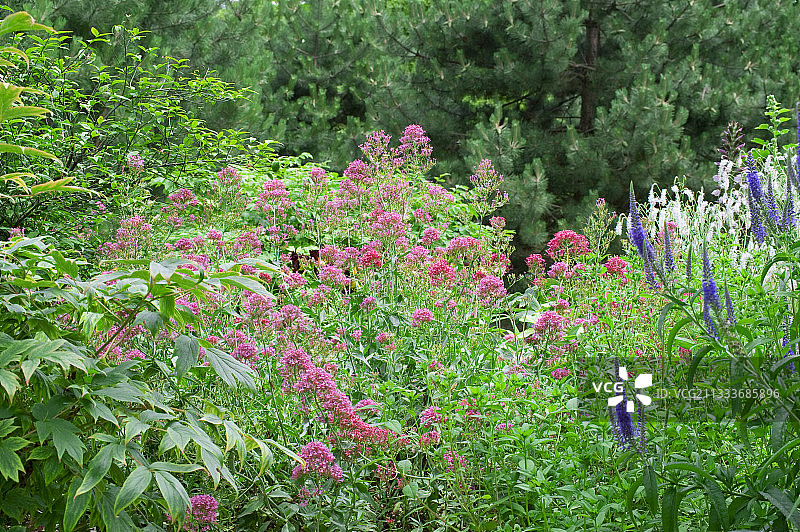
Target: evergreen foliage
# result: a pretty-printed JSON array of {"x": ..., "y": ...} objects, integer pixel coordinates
[{"x": 601, "y": 92}]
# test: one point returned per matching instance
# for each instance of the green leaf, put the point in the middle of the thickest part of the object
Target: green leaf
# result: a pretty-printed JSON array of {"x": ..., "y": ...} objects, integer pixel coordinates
[
  {"x": 174, "y": 494},
  {"x": 28, "y": 367},
  {"x": 231, "y": 371},
  {"x": 98, "y": 467},
  {"x": 152, "y": 320},
  {"x": 187, "y": 350},
  {"x": 76, "y": 505},
  {"x": 21, "y": 21},
  {"x": 133, "y": 487},
  {"x": 64, "y": 439},
  {"x": 669, "y": 510},
  {"x": 689, "y": 467},
  {"x": 10, "y": 463},
  {"x": 24, "y": 111},
  {"x": 22, "y": 150},
  {"x": 245, "y": 283},
  {"x": 650, "y": 483},
  {"x": 7, "y": 426},
  {"x": 9, "y": 382},
  {"x": 411, "y": 490},
  {"x": 90, "y": 321},
  {"x": 719, "y": 505},
  {"x": 780, "y": 501},
  {"x": 175, "y": 468}
]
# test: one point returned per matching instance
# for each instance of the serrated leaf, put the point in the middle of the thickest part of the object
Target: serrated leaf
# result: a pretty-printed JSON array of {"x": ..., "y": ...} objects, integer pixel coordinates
[
  {"x": 133, "y": 487},
  {"x": 780, "y": 501},
  {"x": 719, "y": 505}
]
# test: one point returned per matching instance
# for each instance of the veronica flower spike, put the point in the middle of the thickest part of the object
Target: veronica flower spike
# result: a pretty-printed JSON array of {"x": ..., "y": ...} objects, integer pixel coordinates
[
  {"x": 753, "y": 179},
  {"x": 635, "y": 229}
]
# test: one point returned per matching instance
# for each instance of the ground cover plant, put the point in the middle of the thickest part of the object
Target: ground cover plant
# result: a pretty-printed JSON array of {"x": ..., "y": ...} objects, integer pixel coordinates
[{"x": 274, "y": 346}]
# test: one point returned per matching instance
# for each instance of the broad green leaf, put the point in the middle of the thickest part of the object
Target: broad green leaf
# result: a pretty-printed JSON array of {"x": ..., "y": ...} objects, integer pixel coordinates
[
  {"x": 76, "y": 505},
  {"x": 10, "y": 463},
  {"x": 650, "y": 483},
  {"x": 133, "y": 487},
  {"x": 669, "y": 510},
  {"x": 152, "y": 321},
  {"x": 90, "y": 321},
  {"x": 7, "y": 426},
  {"x": 780, "y": 501},
  {"x": 121, "y": 522},
  {"x": 23, "y": 111},
  {"x": 231, "y": 371},
  {"x": 9, "y": 382},
  {"x": 134, "y": 427},
  {"x": 175, "y": 468},
  {"x": 174, "y": 494},
  {"x": 64, "y": 439},
  {"x": 22, "y": 150},
  {"x": 28, "y": 367},
  {"x": 21, "y": 21},
  {"x": 98, "y": 467},
  {"x": 187, "y": 351},
  {"x": 245, "y": 283}
]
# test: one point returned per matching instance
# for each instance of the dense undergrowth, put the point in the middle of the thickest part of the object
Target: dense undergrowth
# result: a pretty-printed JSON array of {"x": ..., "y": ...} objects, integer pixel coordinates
[{"x": 271, "y": 346}]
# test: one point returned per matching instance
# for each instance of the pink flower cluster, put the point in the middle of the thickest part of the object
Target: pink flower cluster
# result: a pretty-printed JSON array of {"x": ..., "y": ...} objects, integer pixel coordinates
[
  {"x": 535, "y": 264},
  {"x": 490, "y": 291},
  {"x": 319, "y": 461},
  {"x": 420, "y": 316},
  {"x": 567, "y": 244},
  {"x": 202, "y": 511},
  {"x": 316, "y": 387},
  {"x": 431, "y": 416},
  {"x": 183, "y": 199}
]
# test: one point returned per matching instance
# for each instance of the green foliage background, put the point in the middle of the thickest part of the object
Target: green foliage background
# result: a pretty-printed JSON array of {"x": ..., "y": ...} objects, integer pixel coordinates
[{"x": 565, "y": 117}]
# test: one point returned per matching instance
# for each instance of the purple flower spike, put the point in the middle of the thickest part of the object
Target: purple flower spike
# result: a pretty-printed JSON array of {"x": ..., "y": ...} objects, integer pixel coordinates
[
  {"x": 753, "y": 180},
  {"x": 710, "y": 291},
  {"x": 772, "y": 205},
  {"x": 788, "y": 208},
  {"x": 755, "y": 220},
  {"x": 635, "y": 229}
]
